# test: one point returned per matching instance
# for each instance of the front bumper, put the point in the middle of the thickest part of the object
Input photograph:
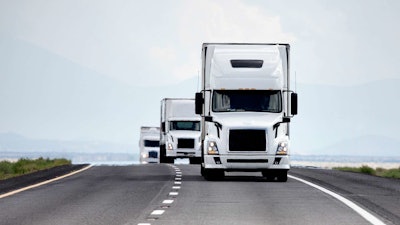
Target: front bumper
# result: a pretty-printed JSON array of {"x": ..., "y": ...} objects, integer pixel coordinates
[
  {"x": 237, "y": 162},
  {"x": 183, "y": 153}
]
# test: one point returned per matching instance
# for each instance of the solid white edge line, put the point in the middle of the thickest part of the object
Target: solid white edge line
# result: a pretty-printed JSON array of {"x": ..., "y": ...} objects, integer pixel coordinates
[
  {"x": 368, "y": 216},
  {"x": 43, "y": 183}
]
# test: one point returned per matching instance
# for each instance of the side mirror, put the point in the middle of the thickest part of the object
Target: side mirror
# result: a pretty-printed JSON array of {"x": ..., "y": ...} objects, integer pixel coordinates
[
  {"x": 293, "y": 105},
  {"x": 199, "y": 103}
]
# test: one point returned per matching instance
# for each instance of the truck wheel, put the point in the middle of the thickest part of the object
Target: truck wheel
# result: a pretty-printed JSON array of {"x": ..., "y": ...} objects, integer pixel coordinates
[
  {"x": 269, "y": 175},
  {"x": 213, "y": 174},
  {"x": 170, "y": 160},
  {"x": 282, "y": 176},
  {"x": 195, "y": 160},
  {"x": 162, "y": 154}
]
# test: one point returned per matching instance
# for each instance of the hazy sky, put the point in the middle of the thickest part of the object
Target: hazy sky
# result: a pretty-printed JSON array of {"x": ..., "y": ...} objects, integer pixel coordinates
[
  {"x": 149, "y": 44},
  {"x": 158, "y": 42}
]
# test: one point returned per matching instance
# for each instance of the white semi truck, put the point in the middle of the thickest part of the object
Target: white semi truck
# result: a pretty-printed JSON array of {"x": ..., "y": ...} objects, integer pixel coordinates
[
  {"x": 180, "y": 131},
  {"x": 149, "y": 144},
  {"x": 246, "y": 105}
]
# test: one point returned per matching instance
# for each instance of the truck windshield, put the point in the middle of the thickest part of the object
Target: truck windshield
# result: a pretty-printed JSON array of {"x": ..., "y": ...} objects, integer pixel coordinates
[
  {"x": 185, "y": 125},
  {"x": 247, "y": 100},
  {"x": 150, "y": 143}
]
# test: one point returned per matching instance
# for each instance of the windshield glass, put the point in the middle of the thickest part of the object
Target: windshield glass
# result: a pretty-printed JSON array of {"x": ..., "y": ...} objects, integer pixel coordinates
[
  {"x": 247, "y": 100},
  {"x": 185, "y": 125},
  {"x": 149, "y": 143}
]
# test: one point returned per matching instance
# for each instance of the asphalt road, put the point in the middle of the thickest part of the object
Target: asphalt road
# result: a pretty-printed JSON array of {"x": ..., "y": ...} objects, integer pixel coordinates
[{"x": 166, "y": 194}]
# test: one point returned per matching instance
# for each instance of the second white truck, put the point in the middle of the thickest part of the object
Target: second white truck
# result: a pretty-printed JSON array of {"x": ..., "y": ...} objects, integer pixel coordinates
[{"x": 180, "y": 131}]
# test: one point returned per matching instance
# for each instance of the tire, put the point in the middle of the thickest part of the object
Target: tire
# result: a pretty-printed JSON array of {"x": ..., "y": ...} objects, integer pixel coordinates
[
  {"x": 163, "y": 158},
  {"x": 212, "y": 174},
  {"x": 195, "y": 160},
  {"x": 269, "y": 175},
  {"x": 282, "y": 176},
  {"x": 170, "y": 160}
]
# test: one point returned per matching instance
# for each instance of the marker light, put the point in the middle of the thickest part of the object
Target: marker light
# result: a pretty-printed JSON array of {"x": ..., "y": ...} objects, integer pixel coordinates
[{"x": 170, "y": 146}]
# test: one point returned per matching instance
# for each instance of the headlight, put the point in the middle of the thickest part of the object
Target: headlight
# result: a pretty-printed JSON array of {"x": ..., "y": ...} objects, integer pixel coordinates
[
  {"x": 282, "y": 148},
  {"x": 169, "y": 146},
  {"x": 145, "y": 155},
  {"x": 212, "y": 148}
]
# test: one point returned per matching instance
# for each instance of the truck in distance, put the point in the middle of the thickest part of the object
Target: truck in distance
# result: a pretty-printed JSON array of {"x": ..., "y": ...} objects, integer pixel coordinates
[
  {"x": 149, "y": 144},
  {"x": 180, "y": 130},
  {"x": 245, "y": 105}
]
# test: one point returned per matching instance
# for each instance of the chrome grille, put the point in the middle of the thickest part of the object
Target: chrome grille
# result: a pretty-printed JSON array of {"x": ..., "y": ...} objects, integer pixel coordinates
[
  {"x": 247, "y": 140},
  {"x": 185, "y": 143}
]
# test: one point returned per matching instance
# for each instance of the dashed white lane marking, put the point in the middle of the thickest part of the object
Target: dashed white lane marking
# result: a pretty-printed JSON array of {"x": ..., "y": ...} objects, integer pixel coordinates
[
  {"x": 43, "y": 183},
  {"x": 157, "y": 212},
  {"x": 168, "y": 201},
  {"x": 368, "y": 216},
  {"x": 173, "y": 193}
]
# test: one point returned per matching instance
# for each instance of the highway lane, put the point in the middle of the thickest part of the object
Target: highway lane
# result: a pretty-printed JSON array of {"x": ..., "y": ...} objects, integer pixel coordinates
[
  {"x": 143, "y": 194},
  {"x": 247, "y": 198},
  {"x": 100, "y": 195},
  {"x": 378, "y": 195}
]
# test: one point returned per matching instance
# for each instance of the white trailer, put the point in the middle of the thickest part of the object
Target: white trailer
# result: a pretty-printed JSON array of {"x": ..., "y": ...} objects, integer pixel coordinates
[
  {"x": 245, "y": 105},
  {"x": 149, "y": 144},
  {"x": 180, "y": 130}
]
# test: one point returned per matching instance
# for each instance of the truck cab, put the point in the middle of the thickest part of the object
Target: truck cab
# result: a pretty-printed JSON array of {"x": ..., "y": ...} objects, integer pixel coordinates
[
  {"x": 149, "y": 144},
  {"x": 180, "y": 131},
  {"x": 246, "y": 106}
]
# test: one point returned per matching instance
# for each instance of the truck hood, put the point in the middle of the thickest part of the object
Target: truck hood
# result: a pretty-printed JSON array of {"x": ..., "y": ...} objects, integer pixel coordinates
[{"x": 247, "y": 119}]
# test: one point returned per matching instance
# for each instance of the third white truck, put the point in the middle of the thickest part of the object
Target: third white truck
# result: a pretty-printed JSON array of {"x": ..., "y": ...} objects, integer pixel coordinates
[{"x": 149, "y": 144}]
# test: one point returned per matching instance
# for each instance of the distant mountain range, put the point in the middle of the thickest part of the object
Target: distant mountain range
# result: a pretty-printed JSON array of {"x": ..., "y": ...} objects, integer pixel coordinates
[
  {"x": 58, "y": 105},
  {"x": 10, "y": 142},
  {"x": 348, "y": 120}
]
